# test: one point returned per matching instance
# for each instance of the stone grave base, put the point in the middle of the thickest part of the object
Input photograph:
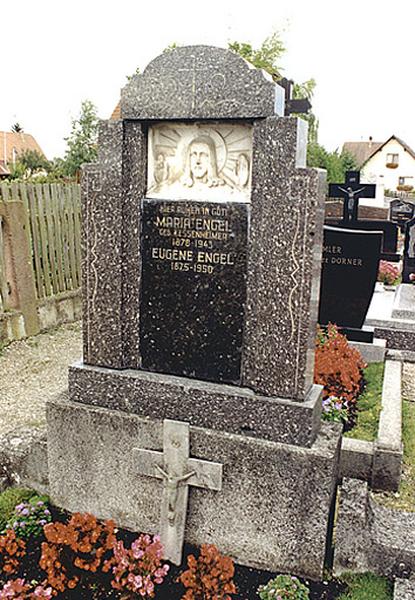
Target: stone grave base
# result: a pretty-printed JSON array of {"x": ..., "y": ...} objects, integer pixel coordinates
[
  {"x": 215, "y": 406},
  {"x": 271, "y": 513},
  {"x": 374, "y": 352}
]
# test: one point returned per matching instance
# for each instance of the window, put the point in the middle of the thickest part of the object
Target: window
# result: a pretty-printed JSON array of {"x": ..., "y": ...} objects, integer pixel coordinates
[{"x": 392, "y": 160}]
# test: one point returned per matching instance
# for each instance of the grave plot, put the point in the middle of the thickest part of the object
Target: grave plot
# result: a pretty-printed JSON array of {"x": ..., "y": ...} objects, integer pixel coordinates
[
  {"x": 202, "y": 249},
  {"x": 194, "y": 413}
]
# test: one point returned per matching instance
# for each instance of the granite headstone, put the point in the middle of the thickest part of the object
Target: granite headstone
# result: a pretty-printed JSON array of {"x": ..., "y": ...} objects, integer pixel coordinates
[
  {"x": 401, "y": 212},
  {"x": 349, "y": 270},
  {"x": 409, "y": 251},
  {"x": 389, "y": 230},
  {"x": 201, "y": 269}
]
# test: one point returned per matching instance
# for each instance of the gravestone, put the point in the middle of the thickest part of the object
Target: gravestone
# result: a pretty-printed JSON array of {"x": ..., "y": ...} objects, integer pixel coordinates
[
  {"x": 193, "y": 412},
  {"x": 351, "y": 191},
  {"x": 409, "y": 251},
  {"x": 401, "y": 212},
  {"x": 350, "y": 261},
  {"x": 350, "y": 265},
  {"x": 334, "y": 209}
]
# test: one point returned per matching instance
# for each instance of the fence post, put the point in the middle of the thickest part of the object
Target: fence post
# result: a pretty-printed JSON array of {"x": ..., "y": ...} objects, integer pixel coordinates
[{"x": 18, "y": 263}]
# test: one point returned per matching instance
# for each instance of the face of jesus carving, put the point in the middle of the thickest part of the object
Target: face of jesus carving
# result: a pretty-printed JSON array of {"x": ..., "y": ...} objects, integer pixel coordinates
[
  {"x": 200, "y": 163},
  {"x": 200, "y": 160}
]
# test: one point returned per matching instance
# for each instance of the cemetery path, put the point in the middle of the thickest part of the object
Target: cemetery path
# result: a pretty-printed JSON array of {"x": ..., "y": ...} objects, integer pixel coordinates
[{"x": 34, "y": 370}]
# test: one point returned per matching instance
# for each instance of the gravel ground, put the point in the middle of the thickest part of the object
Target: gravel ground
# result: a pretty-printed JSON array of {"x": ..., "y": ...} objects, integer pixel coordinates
[
  {"x": 408, "y": 381},
  {"x": 34, "y": 370}
]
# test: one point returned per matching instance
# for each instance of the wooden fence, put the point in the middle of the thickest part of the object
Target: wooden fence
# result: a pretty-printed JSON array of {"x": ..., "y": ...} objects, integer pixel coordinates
[
  {"x": 54, "y": 235},
  {"x": 3, "y": 280}
]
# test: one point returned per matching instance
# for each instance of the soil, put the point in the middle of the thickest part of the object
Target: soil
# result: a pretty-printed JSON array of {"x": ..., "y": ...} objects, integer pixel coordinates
[{"x": 98, "y": 587}]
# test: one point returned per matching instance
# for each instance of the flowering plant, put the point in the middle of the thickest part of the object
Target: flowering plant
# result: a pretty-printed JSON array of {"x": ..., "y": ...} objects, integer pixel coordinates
[
  {"x": 11, "y": 550},
  {"x": 284, "y": 587},
  {"x": 18, "y": 589},
  {"x": 29, "y": 518},
  {"x": 388, "y": 273},
  {"x": 73, "y": 549},
  {"x": 335, "y": 409},
  {"x": 210, "y": 577},
  {"x": 339, "y": 369},
  {"x": 139, "y": 568}
]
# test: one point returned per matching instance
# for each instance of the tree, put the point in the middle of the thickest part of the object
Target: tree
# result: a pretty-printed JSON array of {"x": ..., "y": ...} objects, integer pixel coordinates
[
  {"x": 30, "y": 163},
  {"x": 335, "y": 164},
  {"x": 82, "y": 141},
  {"x": 33, "y": 161},
  {"x": 268, "y": 57}
]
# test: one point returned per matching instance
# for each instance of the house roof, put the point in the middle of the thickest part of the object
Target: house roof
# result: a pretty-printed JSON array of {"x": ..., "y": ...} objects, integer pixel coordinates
[
  {"x": 116, "y": 113},
  {"x": 17, "y": 141},
  {"x": 363, "y": 151}
]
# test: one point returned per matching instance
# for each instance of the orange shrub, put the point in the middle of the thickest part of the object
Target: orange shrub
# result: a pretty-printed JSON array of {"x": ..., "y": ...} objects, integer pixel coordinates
[
  {"x": 12, "y": 550},
  {"x": 79, "y": 546},
  {"x": 210, "y": 577},
  {"x": 338, "y": 367}
]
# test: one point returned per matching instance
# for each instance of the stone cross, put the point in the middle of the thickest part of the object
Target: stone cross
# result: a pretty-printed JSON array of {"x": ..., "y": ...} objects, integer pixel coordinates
[
  {"x": 351, "y": 190},
  {"x": 177, "y": 471}
]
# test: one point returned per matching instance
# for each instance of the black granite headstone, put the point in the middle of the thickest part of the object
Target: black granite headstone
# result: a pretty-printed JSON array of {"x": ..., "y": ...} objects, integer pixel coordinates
[
  {"x": 349, "y": 270},
  {"x": 390, "y": 233},
  {"x": 409, "y": 251},
  {"x": 401, "y": 212},
  {"x": 193, "y": 288}
]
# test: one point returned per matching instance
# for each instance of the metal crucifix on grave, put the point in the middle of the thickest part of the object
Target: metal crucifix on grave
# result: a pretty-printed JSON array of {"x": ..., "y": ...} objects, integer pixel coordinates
[
  {"x": 351, "y": 191},
  {"x": 177, "y": 471}
]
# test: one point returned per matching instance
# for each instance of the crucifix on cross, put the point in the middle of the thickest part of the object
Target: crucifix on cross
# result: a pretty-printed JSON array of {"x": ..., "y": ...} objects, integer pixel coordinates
[
  {"x": 177, "y": 471},
  {"x": 351, "y": 190}
]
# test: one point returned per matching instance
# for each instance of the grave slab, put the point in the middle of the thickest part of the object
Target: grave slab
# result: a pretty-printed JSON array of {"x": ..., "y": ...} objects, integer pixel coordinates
[
  {"x": 223, "y": 407},
  {"x": 404, "y": 302},
  {"x": 262, "y": 515}
]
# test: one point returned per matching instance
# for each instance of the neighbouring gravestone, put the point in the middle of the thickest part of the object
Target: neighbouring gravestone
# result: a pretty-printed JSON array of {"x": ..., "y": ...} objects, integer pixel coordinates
[
  {"x": 401, "y": 212},
  {"x": 350, "y": 262},
  {"x": 409, "y": 251},
  {"x": 194, "y": 412},
  {"x": 351, "y": 191},
  {"x": 350, "y": 265},
  {"x": 334, "y": 209}
]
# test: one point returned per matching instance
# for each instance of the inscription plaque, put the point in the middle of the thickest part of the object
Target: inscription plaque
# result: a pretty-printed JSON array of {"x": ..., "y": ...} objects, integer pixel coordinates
[{"x": 193, "y": 288}]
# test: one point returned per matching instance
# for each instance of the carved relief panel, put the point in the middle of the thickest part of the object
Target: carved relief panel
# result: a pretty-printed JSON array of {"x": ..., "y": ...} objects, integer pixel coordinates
[{"x": 200, "y": 161}]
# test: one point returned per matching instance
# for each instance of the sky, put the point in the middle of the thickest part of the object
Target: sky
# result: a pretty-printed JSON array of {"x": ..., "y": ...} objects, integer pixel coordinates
[{"x": 56, "y": 54}]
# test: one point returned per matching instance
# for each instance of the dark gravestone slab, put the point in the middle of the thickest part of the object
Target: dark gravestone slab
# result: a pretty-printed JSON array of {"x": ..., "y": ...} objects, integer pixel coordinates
[
  {"x": 193, "y": 288},
  {"x": 390, "y": 233},
  {"x": 409, "y": 251},
  {"x": 349, "y": 269},
  {"x": 401, "y": 212}
]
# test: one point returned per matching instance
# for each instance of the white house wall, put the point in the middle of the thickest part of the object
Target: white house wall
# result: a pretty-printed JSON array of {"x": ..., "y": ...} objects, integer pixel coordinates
[{"x": 376, "y": 171}]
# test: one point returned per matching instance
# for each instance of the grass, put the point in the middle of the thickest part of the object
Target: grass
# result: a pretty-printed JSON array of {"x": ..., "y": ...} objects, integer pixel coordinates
[
  {"x": 9, "y": 499},
  {"x": 366, "y": 586},
  {"x": 369, "y": 405}
]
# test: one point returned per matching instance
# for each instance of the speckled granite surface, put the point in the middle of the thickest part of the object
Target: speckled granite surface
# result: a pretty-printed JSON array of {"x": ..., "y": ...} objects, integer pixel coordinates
[{"x": 200, "y": 82}]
